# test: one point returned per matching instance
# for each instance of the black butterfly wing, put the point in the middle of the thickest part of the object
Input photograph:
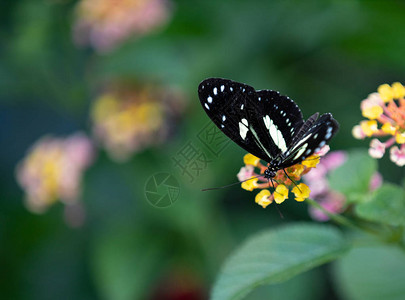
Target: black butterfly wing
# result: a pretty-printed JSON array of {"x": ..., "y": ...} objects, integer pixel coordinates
[
  {"x": 313, "y": 135},
  {"x": 225, "y": 103},
  {"x": 263, "y": 123},
  {"x": 279, "y": 117}
]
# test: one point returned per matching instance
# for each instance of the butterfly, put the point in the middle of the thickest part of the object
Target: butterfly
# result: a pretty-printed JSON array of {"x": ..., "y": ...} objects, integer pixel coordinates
[{"x": 265, "y": 123}]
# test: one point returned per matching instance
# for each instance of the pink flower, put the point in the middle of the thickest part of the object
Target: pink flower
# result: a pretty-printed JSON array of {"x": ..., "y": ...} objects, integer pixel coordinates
[
  {"x": 321, "y": 192},
  {"x": 358, "y": 133},
  {"x": 325, "y": 149},
  {"x": 53, "y": 170},
  {"x": 104, "y": 24},
  {"x": 372, "y": 100},
  {"x": 333, "y": 202},
  {"x": 246, "y": 172},
  {"x": 398, "y": 155},
  {"x": 317, "y": 180},
  {"x": 334, "y": 160},
  {"x": 385, "y": 117},
  {"x": 318, "y": 187},
  {"x": 79, "y": 149},
  {"x": 376, "y": 181},
  {"x": 377, "y": 149}
]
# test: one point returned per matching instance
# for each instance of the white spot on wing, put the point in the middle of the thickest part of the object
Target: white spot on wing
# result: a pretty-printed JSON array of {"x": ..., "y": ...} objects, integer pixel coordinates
[
  {"x": 223, "y": 118},
  {"x": 206, "y": 105},
  {"x": 275, "y": 133},
  {"x": 241, "y": 107},
  {"x": 222, "y": 88},
  {"x": 266, "y": 121},
  {"x": 209, "y": 99},
  {"x": 215, "y": 90},
  {"x": 301, "y": 142},
  {"x": 231, "y": 89},
  {"x": 302, "y": 149},
  {"x": 243, "y": 129}
]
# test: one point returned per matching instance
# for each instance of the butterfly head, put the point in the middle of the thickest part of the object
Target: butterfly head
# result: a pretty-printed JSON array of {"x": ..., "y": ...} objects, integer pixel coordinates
[{"x": 269, "y": 173}]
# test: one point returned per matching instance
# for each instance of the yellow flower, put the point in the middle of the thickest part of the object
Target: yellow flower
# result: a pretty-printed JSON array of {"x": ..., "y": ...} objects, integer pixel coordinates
[
  {"x": 104, "y": 107},
  {"x": 301, "y": 192},
  {"x": 250, "y": 185},
  {"x": 280, "y": 194},
  {"x": 357, "y": 132},
  {"x": 386, "y": 92},
  {"x": 400, "y": 138},
  {"x": 296, "y": 170},
  {"x": 388, "y": 128},
  {"x": 311, "y": 161},
  {"x": 264, "y": 198},
  {"x": 373, "y": 112},
  {"x": 250, "y": 159},
  {"x": 398, "y": 90},
  {"x": 126, "y": 118},
  {"x": 369, "y": 127}
]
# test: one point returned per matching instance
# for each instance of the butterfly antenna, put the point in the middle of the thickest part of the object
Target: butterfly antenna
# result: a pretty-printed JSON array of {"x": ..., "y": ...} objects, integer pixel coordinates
[
  {"x": 293, "y": 181},
  {"x": 228, "y": 185}
]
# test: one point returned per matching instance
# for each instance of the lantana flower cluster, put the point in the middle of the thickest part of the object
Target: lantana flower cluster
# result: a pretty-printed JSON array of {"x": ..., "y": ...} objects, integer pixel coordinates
[
  {"x": 385, "y": 111},
  {"x": 53, "y": 169},
  {"x": 127, "y": 119},
  {"x": 332, "y": 201},
  {"x": 251, "y": 176},
  {"x": 104, "y": 24}
]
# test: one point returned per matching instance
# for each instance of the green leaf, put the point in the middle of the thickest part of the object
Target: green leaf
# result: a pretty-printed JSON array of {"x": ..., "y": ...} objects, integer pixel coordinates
[
  {"x": 353, "y": 177},
  {"x": 387, "y": 205},
  {"x": 310, "y": 285},
  {"x": 372, "y": 273},
  {"x": 277, "y": 255}
]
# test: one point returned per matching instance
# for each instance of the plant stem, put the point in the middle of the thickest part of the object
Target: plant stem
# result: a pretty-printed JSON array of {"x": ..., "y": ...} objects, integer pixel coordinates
[{"x": 340, "y": 219}]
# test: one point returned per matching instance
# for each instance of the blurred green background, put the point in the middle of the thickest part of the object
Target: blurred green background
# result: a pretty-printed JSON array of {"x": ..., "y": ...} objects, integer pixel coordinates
[{"x": 326, "y": 55}]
